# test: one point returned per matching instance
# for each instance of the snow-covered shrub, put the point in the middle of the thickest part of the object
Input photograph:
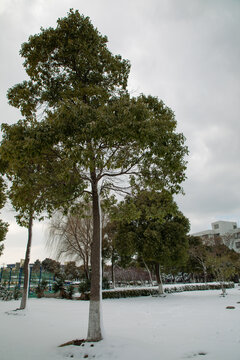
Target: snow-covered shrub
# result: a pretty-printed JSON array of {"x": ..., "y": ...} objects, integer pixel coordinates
[
  {"x": 59, "y": 287},
  {"x": 42, "y": 286},
  {"x": 84, "y": 286},
  {"x": 5, "y": 294},
  {"x": 194, "y": 287},
  {"x": 16, "y": 293},
  {"x": 124, "y": 293},
  {"x": 69, "y": 291}
]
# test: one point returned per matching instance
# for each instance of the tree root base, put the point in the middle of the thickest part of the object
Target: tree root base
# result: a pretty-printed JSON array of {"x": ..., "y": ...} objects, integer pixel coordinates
[{"x": 76, "y": 342}]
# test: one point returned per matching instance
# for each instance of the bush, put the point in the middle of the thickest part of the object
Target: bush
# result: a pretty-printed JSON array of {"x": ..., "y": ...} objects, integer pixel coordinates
[
  {"x": 42, "y": 286},
  {"x": 16, "y": 293},
  {"x": 84, "y": 286},
  {"x": 59, "y": 286},
  {"x": 5, "y": 294},
  {"x": 105, "y": 284},
  {"x": 69, "y": 292},
  {"x": 116, "y": 294}
]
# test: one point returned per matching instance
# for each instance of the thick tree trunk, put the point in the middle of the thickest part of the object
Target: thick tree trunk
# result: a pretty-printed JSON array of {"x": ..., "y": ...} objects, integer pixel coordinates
[
  {"x": 26, "y": 266},
  {"x": 95, "y": 315}
]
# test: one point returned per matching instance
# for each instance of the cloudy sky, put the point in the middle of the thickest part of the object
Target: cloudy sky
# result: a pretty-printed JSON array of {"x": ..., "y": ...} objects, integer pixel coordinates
[{"x": 185, "y": 52}]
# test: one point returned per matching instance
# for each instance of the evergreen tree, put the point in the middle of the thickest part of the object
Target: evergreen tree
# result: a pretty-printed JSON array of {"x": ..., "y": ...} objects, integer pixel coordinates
[
  {"x": 151, "y": 227},
  {"x": 93, "y": 128}
]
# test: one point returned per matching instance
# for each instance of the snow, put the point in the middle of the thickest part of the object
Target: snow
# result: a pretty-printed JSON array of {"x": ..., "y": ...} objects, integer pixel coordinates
[{"x": 189, "y": 325}]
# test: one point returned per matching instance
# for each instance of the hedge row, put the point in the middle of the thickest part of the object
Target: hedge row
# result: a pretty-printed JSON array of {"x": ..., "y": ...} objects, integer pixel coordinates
[
  {"x": 195, "y": 287},
  {"x": 125, "y": 293}
]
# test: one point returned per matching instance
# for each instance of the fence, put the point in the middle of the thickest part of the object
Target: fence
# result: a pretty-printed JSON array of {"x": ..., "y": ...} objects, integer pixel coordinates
[{"x": 12, "y": 277}]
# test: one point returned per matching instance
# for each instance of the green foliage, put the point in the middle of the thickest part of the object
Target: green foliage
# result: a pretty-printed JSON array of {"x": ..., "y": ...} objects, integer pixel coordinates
[
  {"x": 92, "y": 126},
  {"x": 92, "y": 134},
  {"x": 3, "y": 232},
  {"x": 84, "y": 286},
  {"x": 151, "y": 227},
  {"x": 51, "y": 266},
  {"x": 71, "y": 270},
  {"x": 59, "y": 286},
  {"x": 41, "y": 287},
  {"x": 197, "y": 261},
  {"x": 16, "y": 292},
  {"x": 36, "y": 266},
  {"x": 36, "y": 180},
  {"x": 5, "y": 294},
  {"x": 221, "y": 260},
  {"x": 3, "y": 225},
  {"x": 65, "y": 291},
  {"x": 69, "y": 291},
  {"x": 105, "y": 284},
  {"x": 69, "y": 62}
]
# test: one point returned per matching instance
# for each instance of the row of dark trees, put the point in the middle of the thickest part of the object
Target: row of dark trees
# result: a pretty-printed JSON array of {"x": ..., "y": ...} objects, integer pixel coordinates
[{"x": 147, "y": 230}]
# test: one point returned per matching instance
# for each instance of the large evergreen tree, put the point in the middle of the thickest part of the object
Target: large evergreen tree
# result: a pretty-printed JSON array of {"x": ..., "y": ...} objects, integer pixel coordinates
[{"x": 110, "y": 139}]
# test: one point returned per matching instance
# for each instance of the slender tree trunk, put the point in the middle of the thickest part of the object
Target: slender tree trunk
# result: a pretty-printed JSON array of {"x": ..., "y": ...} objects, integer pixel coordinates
[
  {"x": 223, "y": 287},
  {"x": 149, "y": 272},
  {"x": 205, "y": 274},
  {"x": 26, "y": 265},
  {"x": 95, "y": 315},
  {"x": 159, "y": 279},
  {"x": 112, "y": 270}
]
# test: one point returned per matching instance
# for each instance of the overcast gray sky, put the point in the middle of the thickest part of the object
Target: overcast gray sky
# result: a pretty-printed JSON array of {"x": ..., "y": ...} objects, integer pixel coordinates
[{"x": 186, "y": 52}]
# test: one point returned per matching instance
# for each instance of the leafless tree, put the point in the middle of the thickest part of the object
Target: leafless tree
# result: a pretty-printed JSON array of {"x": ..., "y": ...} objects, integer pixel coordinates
[
  {"x": 222, "y": 261},
  {"x": 70, "y": 237}
]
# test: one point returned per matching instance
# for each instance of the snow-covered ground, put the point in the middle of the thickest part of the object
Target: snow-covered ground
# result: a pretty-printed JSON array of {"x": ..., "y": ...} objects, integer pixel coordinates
[{"x": 189, "y": 325}]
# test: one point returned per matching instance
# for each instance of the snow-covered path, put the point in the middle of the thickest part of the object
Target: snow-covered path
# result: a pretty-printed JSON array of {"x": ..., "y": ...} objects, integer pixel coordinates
[{"x": 189, "y": 325}]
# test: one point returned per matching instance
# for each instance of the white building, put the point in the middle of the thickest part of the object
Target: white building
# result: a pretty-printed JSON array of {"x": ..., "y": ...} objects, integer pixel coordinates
[{"x": 228, "y": 230}]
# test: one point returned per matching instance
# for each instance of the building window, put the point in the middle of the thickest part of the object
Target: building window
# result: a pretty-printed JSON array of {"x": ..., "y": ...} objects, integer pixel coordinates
[
  {"x": 216, "y": 226},
  {"x": 234, "y": 226},
  {"x": 237, "y": 244}
]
